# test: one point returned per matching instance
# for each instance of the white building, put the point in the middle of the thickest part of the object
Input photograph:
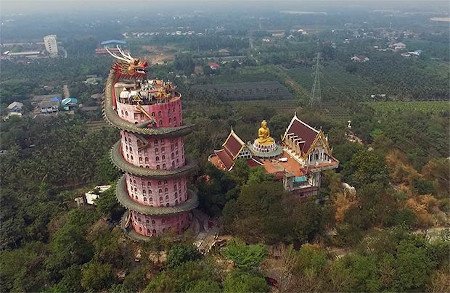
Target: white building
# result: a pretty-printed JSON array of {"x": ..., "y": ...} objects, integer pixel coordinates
[
  {"x": 92, "y": 195},
  {"x": 50, "y": 45}
]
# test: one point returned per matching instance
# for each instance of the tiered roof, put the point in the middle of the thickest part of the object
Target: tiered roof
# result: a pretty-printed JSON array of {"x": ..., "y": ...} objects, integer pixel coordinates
[
  {"x": 231, "y": 149},
  {"x": 233, "y": 145},
  {"x": 306, "y": 133}
]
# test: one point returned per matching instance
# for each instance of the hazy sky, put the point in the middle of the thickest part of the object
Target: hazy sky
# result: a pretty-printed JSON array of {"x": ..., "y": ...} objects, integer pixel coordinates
[{"x": 24, "y": 6}]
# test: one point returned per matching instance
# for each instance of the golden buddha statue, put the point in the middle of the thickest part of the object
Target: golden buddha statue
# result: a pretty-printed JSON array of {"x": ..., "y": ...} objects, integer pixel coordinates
[{"x": 264, "y": 134}]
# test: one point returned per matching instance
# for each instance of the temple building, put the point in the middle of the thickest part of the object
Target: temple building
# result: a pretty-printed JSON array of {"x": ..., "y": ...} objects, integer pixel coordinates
[
  {"x": 150, "y": 152},
  {"x": 297, "y": 161}
]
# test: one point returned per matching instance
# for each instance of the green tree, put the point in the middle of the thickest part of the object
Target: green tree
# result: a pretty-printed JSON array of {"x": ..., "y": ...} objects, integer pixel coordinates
[
  {"x": 258, "y": 175},
  {"x": 203, "y": 286},
  {"x": 181, "y": 253},
  {"x": 258, "y": 215},
  {"x": 68, "y": 245},
  {"x": 245, "y": 257},
  {"x": 413, "y": 265},
  {"x": 367, "y": 167},
  {"x": 184, "y": 277},
  {"x": 96, "y": 276},
  {"x": 355, "y": 272},
  {"x": 239, "y": 281},
  {"x": 240, "y": 171},
  {"x": 23, "y": 269}
]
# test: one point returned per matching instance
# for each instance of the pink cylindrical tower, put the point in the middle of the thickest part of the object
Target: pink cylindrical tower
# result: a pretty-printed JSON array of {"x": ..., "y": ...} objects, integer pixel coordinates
[{"x": 154, "y": 188}]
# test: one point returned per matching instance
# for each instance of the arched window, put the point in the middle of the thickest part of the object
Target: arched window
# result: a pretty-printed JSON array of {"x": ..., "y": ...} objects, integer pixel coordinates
[
  {"x": 160, "y": 190},
  {"x": 166, "y": 189},
  {"x": 163, "y": 157},
  {"x": 157, "y": 159},
  {"x": 146, "y": 159}
]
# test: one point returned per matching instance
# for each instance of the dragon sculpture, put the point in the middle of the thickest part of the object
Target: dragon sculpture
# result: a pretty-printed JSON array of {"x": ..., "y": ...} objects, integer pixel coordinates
[{"x": 127, "y": 66}]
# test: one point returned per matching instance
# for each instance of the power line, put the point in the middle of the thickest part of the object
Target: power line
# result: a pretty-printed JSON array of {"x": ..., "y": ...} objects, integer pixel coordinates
[{"x": 316, "y": 94}]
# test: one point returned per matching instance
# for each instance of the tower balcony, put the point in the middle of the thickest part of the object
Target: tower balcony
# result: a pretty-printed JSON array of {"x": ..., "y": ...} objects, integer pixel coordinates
[
  {"x": 125, "y": 200},
  {"x": 120, "y": 162}
]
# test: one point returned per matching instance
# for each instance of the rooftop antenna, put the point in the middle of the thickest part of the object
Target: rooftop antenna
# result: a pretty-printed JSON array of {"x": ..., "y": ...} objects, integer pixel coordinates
[{"x": 316, "y": 95}]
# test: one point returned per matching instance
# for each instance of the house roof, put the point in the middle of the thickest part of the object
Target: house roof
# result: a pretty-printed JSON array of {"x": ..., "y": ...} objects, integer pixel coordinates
[
  {"x": 233, "y": 144},
  {"x": 225, "y": 158},
  {"x": 303, "y": 131},
  {"x": 15, "y": 105}
]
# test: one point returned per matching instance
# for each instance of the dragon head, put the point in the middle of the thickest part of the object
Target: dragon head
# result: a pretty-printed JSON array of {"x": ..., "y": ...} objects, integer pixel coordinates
[{"x": 134, "y": 67}]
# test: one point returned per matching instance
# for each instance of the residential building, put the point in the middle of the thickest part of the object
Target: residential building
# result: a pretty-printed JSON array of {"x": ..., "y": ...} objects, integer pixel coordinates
[{"x": 51, "y": 45}]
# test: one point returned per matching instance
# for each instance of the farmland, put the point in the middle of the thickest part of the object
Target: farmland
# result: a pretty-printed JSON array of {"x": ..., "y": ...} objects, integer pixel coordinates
[
  {"x": 414, "y": 106},
  {"x": 262, "y": 90}
]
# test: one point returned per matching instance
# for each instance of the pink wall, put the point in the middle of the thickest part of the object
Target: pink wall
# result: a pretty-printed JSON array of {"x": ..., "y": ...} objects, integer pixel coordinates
[
  {"x": 151, "y": 226},
  {"x": 164, "y": 153},
  {"x": 157, "y": 193},
  {"x": 165, "y": 114}
]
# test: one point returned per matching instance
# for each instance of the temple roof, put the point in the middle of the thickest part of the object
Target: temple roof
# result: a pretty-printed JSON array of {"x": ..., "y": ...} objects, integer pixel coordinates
[
  {"x": 299, "y": 128},
  {"x": 233, "y": 144},
  {"x": 225, "y": 158}
]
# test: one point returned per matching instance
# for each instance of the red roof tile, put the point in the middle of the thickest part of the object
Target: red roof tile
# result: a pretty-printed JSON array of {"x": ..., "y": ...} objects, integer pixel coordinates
[
  {"x": 225, "y": 158},
  {"x": 233, "y": 144},
  {"x": 303, "y": 131}
]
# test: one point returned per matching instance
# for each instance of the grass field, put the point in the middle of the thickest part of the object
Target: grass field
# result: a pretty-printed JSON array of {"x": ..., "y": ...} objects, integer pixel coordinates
[{"x": 420, "y": 106}]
